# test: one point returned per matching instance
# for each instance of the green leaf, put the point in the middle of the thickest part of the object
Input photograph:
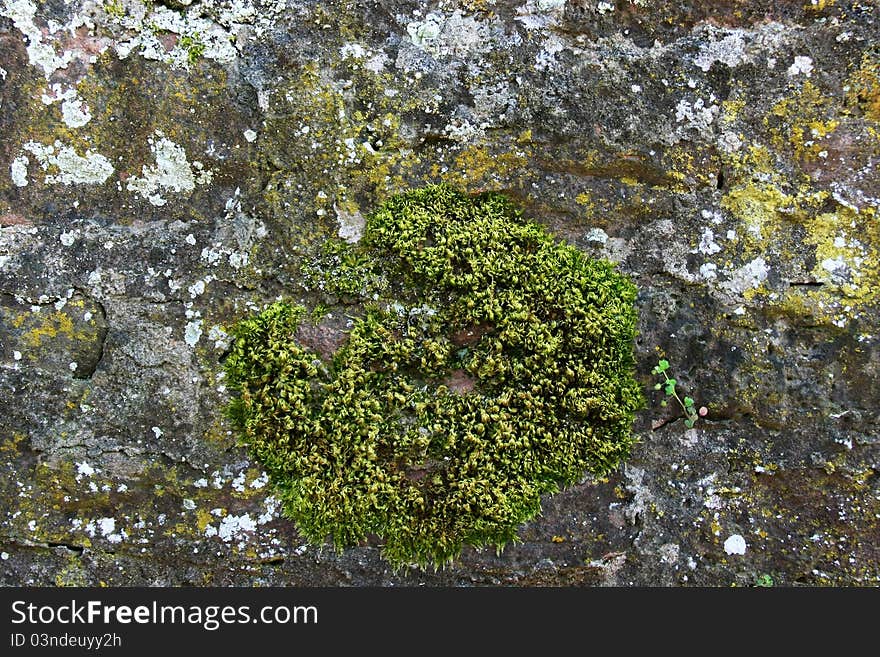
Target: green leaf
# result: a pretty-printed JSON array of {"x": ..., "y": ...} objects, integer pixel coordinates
[
  {"x": 670, "y": 389},
  {"x": 663, "y": 403},
  {"x": 663, "y": 365},
  {"x": 689, "y": 423},
  {"x": 657, "y": 386},
  {"x": 688, "y": 401}
]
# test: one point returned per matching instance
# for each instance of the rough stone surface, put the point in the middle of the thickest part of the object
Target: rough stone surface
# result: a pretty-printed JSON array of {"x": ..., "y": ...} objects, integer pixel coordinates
[{"x": 167, "y": 167}]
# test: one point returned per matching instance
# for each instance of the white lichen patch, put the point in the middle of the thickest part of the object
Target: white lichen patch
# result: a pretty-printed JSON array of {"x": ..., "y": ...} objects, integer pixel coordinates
[
  {"x": 22, "y": 13},
  {"x": 196, "y": 289},
  {"x": 219, "y": 337},
  {"x": 232, "y": 528},
  {"x": 64, "y": 165},
  {"x": 709, "y": 270},
  {"x": 707, "y": 245},
  {"x": 642, "y": 496},
  {"x": 273, "y": 506},
  {"x": 215, "y": 255},
  {"x": 350, "y": 224},
  {"x": 730, "y": 50},
  {"x": 546, "y": 57},
  {"x": 540, "y": 14},
  {"x": 729, "y": 142},
  {"x": 172, "y": 172},
  {"x": 697, "y": 115},
  {"x": 197, "y": 36},
  {"x": 735, "y": 544},
  {"x": 370, "y": 60},
  {"x": 669, "y": 552},
  {"x": 596, "y": 235},
  {"x": 802, "y": 65},
  {"x": 842, "y": 263},
  {"x": 238, "y": 259},
  {"x": 353, "y": 51},
  {"x": 550, "y": 5},
  {"x": 239, "y": 482},
  {"x": 747, "y": 277},
  {"x": 193, "y": 332},
  {"x": 455, "y": 35},
  {"x": 107, "y": 528},
  {"x": 18, "y": 170},
  {"x": 75, "y": 112},
  {"x": 426, "y": 33},
  {"x": 837, "y": 269}
]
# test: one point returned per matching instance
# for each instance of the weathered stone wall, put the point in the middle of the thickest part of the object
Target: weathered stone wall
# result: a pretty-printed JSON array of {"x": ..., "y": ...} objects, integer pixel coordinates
[{"x": 167, "y": 167}]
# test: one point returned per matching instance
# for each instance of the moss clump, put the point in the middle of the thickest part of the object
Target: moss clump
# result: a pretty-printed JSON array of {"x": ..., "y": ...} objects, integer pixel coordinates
[{"x": 492, "y": 364}]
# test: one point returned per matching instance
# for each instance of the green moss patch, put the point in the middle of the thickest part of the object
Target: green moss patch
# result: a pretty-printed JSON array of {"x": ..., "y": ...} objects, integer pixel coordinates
[{"x": 491, "y": 364}]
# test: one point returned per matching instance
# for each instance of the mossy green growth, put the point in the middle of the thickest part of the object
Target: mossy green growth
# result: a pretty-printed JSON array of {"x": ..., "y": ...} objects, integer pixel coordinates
[{"x": 496, "y": 365}]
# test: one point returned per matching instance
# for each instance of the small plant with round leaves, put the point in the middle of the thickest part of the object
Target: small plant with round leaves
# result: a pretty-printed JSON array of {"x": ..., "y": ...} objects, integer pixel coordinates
[
  {"x": 668, "y": 386},
  {"x": 764, "y": 580}
]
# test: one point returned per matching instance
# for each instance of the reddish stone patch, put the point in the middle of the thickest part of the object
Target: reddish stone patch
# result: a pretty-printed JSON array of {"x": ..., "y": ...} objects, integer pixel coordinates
[
  {"x": 415, "y": 474},
  {"x": 168, "y": 41},
  {"x": 845, "y": 156},
  {"x": 460, "y": 382},
  {"x": 13, "y": 219},
  {"x": 471, "y": 335},
  {"x": 84, "y": 47},
  {"x": 326, "y": 337},
  {"x": 84, "y": 43},
  {"x": 419, "y": 471}
]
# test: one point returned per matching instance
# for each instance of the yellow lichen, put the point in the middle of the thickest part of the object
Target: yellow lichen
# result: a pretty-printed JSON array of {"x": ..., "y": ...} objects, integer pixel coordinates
[
  {"x": 848, "y": 239},
  {"x": 525, "y": 137},
  {"x": 730, "y": 111},
  {"x": 203, "y": 519},
  {"x": 818, "y": 5},
  {"x": 801, "y": 122},
  {"x": 864, "y": 87},
  {"x": 51, "y": 327},
  {"x": 478, "y": 168},
  {"x": 13, "y": 444},
  {"x": 757, "y": 206},
  {"x": 584, "y": 198}
]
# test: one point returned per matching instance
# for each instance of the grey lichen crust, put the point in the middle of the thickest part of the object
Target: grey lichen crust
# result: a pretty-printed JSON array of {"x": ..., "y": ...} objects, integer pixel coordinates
[{"x": 498, "y": 367}]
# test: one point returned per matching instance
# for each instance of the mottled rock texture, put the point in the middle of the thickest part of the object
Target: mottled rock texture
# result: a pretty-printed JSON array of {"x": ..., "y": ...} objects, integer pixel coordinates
[{"x": 166, "y": 168}]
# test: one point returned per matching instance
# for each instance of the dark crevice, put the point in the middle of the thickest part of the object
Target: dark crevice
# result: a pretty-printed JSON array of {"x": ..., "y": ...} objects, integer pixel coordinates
[
  {"x": 67, "y": 546},
  {"x": 89, "y": 368},
  {"x": 435, "y": 138},
  {"x": 810, "y": 283},
  {"x": 21, "y": 300},
  {"x": 271, "y": 561},
  {"x": 659, "y": 424}
]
